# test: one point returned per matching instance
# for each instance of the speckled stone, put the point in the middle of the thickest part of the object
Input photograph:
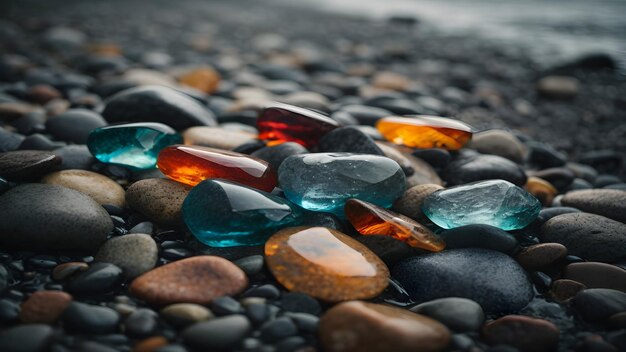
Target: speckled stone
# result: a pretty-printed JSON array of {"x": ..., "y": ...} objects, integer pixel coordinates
[
  {"x": 597, "y": 275},
  {"x": 410, "y": 204},
  {"x": 101, "y": 188},
  {"x": 606, "y": 202},
  {"x": 134, "y": 253},
  {"x": 541, "y": 255},
  {"x": 160, "y": 200},
  {"x": 21, "y": 165}
]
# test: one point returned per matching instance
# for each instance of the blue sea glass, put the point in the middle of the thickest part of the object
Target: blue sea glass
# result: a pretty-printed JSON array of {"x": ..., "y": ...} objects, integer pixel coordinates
[
  {"x": 222, "y": 213},
  {"x": 325, "y": 181},
  {"x": 497, "y": 203},
  {"x": 135, "y": 145}
]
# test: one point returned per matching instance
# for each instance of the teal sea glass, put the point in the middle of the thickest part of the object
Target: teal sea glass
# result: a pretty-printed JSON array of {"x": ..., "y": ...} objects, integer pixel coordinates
[
  {"x": 497, "y": 203},
  {"x": 135, "y": 145},
  {"x": 325, "y": 181},
  {"x": 222, "y": 213}
]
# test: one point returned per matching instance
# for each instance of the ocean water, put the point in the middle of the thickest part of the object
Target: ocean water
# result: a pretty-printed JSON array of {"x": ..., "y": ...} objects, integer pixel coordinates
[{"x": 551, "y": 31}]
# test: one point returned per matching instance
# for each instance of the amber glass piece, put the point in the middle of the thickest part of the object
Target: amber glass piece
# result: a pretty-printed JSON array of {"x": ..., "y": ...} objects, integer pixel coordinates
[
  {"x": 325, "y": 263},
  {"x": 425, "y": 131},
  {"x": 541, "y": 189},
  {"x": 193, "y": 164},
  {"x": 204, "y": 79},
  {"x": 279, "y": 123},
  {"x": 370, "y": 219}
]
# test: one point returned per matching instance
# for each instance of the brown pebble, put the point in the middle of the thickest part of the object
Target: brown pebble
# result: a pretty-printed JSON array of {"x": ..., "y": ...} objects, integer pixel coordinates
[
  {"x": 65, "y": 270},
  {"x": 617, "y": 321},
  {"x": 541, "y": 189},
  {"x": 216, "y": 137},
  {"x": 192, "y": 280},
  {"x": 541, "y": 255},
  {"x": 160, "y": 200},
  {"x": 524, "y": 333},
  {"x": 367, "y": 327},
  {"x": 410, "y": 204},
  {"x": 563, "y": 289},
  {"x": 43, "y": 93},
  {"x": 44, "y": 307},
  {"x": 150, "y": 344},
  {"x": 101, "y": 188},
  {"x": 597, "y": 275}
]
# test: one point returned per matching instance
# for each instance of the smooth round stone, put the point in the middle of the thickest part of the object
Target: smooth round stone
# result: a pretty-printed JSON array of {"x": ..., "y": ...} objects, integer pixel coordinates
[
  {"x": 495, "y": 202},
  {"x": 191, "y": 165},
  {"x": 98, "y": 278},
  {"x": 410, "y": 204},
  {"x": 541, "y": 255},
  {"x": 365, "y": 115},
  {"x": 27, "y": 338},
  {"x": 563, "y": 289},
  {"x": 368, "y": 327},
  {"x": 300, "y": 303},
  {"x": 501, "y": 143},
  {"x": 216, "y": 137},
  {"x": 218, "y": 334},
  {"x": 135, "y": 253},
  {"x": 277, "y": 329},
  {"x": 224, "y": 214},
  {"x": 74, "y": 157},
  {"x": 90, "y": 319},
  {"x": 325, "y": 181},
  {"x": 192, "y": 280},
  {"x": 606, "y": 202},
  {"x": 417, "y": 171},
  {"x": 548, "y": 213},
  {"x": 541, "y": 189},
  {"x": 276, "y": 154},
  {"x": 49, "y": 217},
  {"x": 472, "y": 168},
  {"x": 544, "y": 155},
  {"x": 27, "y": 164},
  {"x": 369, "y": 219},
  {"x": 134, "y": 145},
  {"x": 435, "y": 157},
  {"x": 349, "y": 139},
  {"x": 597, "y": 275},
  {"x": 524, "y": 333},
  {"x": 589, "y": 236},
  {"x": 74, "y": 125},
  {"x": 160, "y": 200},
  {"x": 492, "y": 279},
  {"x": 45, "y": 307},
  {"x": 325, "y": 264},
  {"x": 101, "y": 188},
  {"x": 141, "y": 323},
  {"x": 458, "y": 314},
  {"x": 38, "y": 141},
  {"x": 151, "y": 344},
  {"x": 66, "y": 270},
  {"x": 479, "y": 236},
  {"x": 204, "y": 79},
  {"x": 289, "y": 123},
  {"x": 558, "y": 87},
  {"x": 388, "y": 249},
  {"x": 423, "y": 131},
  {"x": 225, "y": 305},
  {"x": 184, "y": 314},
  {"x": 598, "y": 304},
  {"x": 559, "y": 177},
  {"x": 157, "y": 104}
]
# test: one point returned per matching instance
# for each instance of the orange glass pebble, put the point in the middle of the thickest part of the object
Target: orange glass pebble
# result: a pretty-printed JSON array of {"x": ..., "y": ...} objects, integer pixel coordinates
[
  {"x": 370, "y": 219},
  {"x": 204, "y": 79},
  {"x": 425, "y": 131},
  {"x": 193, "y": 164},
  {"x": 325, "y": 263}
]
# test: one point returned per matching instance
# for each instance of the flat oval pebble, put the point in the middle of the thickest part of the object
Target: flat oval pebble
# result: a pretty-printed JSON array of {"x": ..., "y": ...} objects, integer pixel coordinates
[
  {"x": 157, "y": 104},
  {"x": 492, "y": 279},
  {"x": 90, "y": 319},
  {"x": 134, "y": 253},
  {"x": 276, "y": 154},
  {"x": 192, "y": 280},
  {"x": 458, "y": 314},
  {"x": 478, "y": 167},
  {"x": 606, "y": 202},
  {"x": 425, "y": 131},
  {"x": 289, "y": 123},
  {"x": 410, "y": 204},
  {"x": 192, "y": 164},
  {"x": 184, "y": 314},
  {"x": 501, "y": 143},
  {"x": 325, "y": 181},
  {"x": 589, "y": 236},
  {"x": 564, "y": 289},
  {"x": 597, "y": 304},
  {"x": 44, "y": 307},
  {"x": 325, "y": 264},
  {"x": 416, "y": 170},
  {"x": 135, "y": 145},
  {"x": 27, "y": 164},
  {"x": 225, "y": 214},
  {"x": 220, "y": 334},
  {"x": 204, "y": 79},
  {"x": 495, "y": 202},
  {"x": 101, "y": 188},
  {"x": 541, "y": 255},
  {"x": 369, "y": 219},
  {"x": 524, "y": 333},
  {"x": 479, "y": 236},
  {"x": 597, "y": 275},
  {"x": 63, "y": 219},
  {"x": 27, "y": 338},
  {"x": 367, "y": 327},
  {"x": 349, "y": 139},
  {"x": 216, "y": 137},
  {"x": 74, "y": 125},
  {"x": 97, "y": 279},
  {"x": 160, "y": 200}
]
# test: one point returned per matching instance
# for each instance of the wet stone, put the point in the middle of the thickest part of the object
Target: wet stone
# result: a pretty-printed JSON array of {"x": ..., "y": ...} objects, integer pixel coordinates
[
  {"x": 563, "y": 289},
  {"x": 524, "y": 333},
  {"x": 74, "y": 157},
  {"x": 597, "y": 304},
  {"x": 278, "y": 329},
  {"x": 410, "y": 203},
  {"x": 559, "y": 177},
  {"x": 541, "y": 255},
  {"x": 501, "y": 143},
  {"x": 99, "y": 278},
  {"x": 74, "y": 125},
  {"x": 479, "y": 236},
  {"x": 101, "y": 188},
  {"x": 458, "y": 314},
  {"x": 141, "y": 323},
  {"x": 224, "y": 333},
  {"x": 26, "y": 164},
  {"x": 605, "y": 202},
  {"x": 425, "y": 132},
  {"x": 349, "y": 139},
  {"x": 135, "y": 253},
  {"x": 66, "y": 270},
  {"x": 276, "y": 154},
  {"x": 160, "y": 200},
  {"x": 184, "y": 314},
  {"x": 215, "y": 207},
  {"x": 597, "y": 275},
  {"x": 496, "y": 202},
  {"x": 192, "y": 164},
  {"x": 437, "y": 157},
  {"x": 388, "y": 249},
  {"x": 225, "y": 305},
  {"x": 44, "y": 307},
  {"x": 90, "y": 319},
  {"x": 27, "y": 338},
  {"x": 477, "y": 167},
  {"x": 325, "y": 181},
  {"x": 134, "y": 145},
  {"x": 297, "y": 302},
  {"x": 369, "y": 219},
  {"x": 216, "y": 137},
  {"x": 325, "y": 264}
]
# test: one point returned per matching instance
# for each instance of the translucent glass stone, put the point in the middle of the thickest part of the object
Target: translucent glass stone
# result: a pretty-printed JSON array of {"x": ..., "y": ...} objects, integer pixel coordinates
[
  {"x": 425, "y": 131},
  {"x": 221, "y": 213},
  {"x": 325, "y": 181},
  {"x": 497, "y": 203},
  {"x": 134, "y": 145}
]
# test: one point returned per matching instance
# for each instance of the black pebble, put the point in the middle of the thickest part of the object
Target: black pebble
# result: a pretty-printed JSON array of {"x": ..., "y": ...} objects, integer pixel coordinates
[
  {"x": 91, "y": 319},
  {"x": 141, "y": 323},
  {"x": 98, "y": 278},
  {"x": 225, "y": 305},
  {"x": 26, "y": 338},
  {"x": 278, "y": 329},
  {"x": 301, "y": 303}
]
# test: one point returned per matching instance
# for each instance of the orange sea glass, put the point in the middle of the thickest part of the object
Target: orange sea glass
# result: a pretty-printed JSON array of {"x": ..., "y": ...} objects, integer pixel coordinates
[
  {"x": 325, "y": 263},
  {"x": 204, "y": 79},
  {"x": 193, "y": 164},
  {"x": 370, "y": 219},
  {"x": 425, "y": 131}
]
